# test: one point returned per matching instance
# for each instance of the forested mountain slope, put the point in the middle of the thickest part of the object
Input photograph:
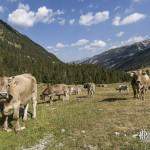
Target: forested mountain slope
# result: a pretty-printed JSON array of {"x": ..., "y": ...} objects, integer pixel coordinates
[{"x": 128, "y": 57}]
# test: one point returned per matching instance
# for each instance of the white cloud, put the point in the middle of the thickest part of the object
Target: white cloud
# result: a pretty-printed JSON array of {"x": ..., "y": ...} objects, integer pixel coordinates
[
  {"x": 134, "y": 39},
  {"x": 98, "y": 43},
  {"x": 81, "y": 42},
  {"x": 24, "y": 17},
  {"x": 133, "y": 18},
  {"x": 1, "y": 9},
  {"x": 91, "y": 19},
  {"x": 71, "y": 21},
  {"x": 60, "y": 45},
  {"x": 62, "y": 21},
  {"x": 44, "y": 15},
  {"x": 94, "y": 45},
  {"x": 85, "y": 44},
  {"x": 117, "y": 8},
  {"x": 120, "y": 34}
]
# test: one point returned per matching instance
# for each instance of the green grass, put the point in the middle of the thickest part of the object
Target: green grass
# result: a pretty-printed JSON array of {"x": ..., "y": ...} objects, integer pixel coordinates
[{"x": 88, "y": 123}]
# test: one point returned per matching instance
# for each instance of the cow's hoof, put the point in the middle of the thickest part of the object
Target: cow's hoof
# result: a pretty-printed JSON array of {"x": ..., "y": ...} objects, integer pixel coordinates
[
  {"x": 8, "y": 130},
  {"x": 25, "y": 119},
  {"x": 22, "y": 128},
  {"x": 19, "y": 129},
  {"x": 34, "y": 117}
]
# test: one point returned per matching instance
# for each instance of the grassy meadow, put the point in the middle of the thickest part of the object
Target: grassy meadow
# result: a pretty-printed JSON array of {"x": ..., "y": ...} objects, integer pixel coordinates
[{"x": 106, "y": 121}]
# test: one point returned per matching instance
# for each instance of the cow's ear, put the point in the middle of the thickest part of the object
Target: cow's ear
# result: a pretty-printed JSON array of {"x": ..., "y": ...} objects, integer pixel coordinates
[
  {"x": 131, "y": 74},
  {"x": 11, "y": 81},
  {"x": 139, "y": 71}
]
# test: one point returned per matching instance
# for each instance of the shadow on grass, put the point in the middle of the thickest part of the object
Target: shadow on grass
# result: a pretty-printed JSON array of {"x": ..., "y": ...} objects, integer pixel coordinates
[
  {"x": 43, "y": 102},
  {"x": 81, "y": 97},
  {"x": 48, "y": 101},
  {"x": 112, "y": 99}
]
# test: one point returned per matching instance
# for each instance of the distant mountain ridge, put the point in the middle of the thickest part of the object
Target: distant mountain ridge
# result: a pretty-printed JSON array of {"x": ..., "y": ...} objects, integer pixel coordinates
[{"x": 128, "y": 57}]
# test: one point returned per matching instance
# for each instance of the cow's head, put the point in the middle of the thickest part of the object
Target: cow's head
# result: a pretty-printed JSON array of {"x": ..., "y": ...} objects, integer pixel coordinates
[
  {"x": 85, "y": 85},
  {"x": 5, "y": 83},
  {"x": 8, "y": 107},
  {"x": 137, "y": 76}
]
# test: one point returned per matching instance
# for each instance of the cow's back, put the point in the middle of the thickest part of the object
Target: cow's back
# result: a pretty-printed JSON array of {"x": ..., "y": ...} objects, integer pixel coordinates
[
  {"x": 58, "y": 89},
  {"x": 23, "y": 86}
]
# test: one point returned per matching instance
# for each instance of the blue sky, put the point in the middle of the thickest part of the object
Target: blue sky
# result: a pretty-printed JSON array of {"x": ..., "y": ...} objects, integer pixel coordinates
[{"x": 76, "y": 29}]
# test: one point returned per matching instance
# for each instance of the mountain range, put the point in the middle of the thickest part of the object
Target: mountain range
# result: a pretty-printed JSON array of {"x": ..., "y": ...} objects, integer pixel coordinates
[{"x": 129, "y": 57}]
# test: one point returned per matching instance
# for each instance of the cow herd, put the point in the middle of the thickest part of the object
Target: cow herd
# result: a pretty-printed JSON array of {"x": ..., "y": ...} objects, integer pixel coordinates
[
  {"x": 18, "y": 91},
  {"x": 64, "y": 91}
]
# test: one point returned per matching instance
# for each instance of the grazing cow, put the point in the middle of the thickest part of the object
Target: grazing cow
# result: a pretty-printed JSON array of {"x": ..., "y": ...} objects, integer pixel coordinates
[
  {"x": 140, "y": 84},
  {"x": 123, "y": 88},
  {"x": 55, "y": 90},
  {"x": 19, "y": 90},
  {"x": 45, "y": 93},
  {"x": 134, "y": 84},
  {"x": 74, "y": 90},
  {"x": 90, "y": 88}
]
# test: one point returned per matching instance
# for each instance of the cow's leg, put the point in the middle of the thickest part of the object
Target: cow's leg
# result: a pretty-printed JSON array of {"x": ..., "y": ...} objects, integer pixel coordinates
[
  {"x": 16, "y": 117},
  {"x": 88, "y": 91},
  {"x": 17, "y": 126},
  {"x": 34, "y": 107},
  {"x": 25, "y": 116},
  {"x": 34, "y": 103},
  {"x": 91, "y": 93},
  {"x": 63, "y": 98},
  {"x": 67, "y": 97},
  {"x": 138, "y": 95},
  {"x": 51, "y": 100},
  {"x": 59, "y": 97},
  {"x": 135, "y": 91},
  {"x": 43, "y": 98},
  {"x": 143, "y": 94},
  {"x": 5, "y": 124},
  {"x": 143, "y": 97}
]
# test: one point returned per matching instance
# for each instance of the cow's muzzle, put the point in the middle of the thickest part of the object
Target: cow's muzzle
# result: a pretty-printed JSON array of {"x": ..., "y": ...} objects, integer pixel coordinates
[
  {"x": 4, "y": 95},
  {"x": 138, "y": 82}
]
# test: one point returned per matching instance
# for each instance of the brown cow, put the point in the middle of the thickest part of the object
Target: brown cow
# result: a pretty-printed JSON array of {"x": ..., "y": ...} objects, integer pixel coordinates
[
  {"x": 55, "y": 90},
  {"x": 20, "y": 90},
  {"x": 140, "y": 84}
]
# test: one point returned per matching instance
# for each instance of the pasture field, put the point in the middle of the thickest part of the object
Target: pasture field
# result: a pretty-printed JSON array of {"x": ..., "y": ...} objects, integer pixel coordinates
[{"x": 107, "y": 121}]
